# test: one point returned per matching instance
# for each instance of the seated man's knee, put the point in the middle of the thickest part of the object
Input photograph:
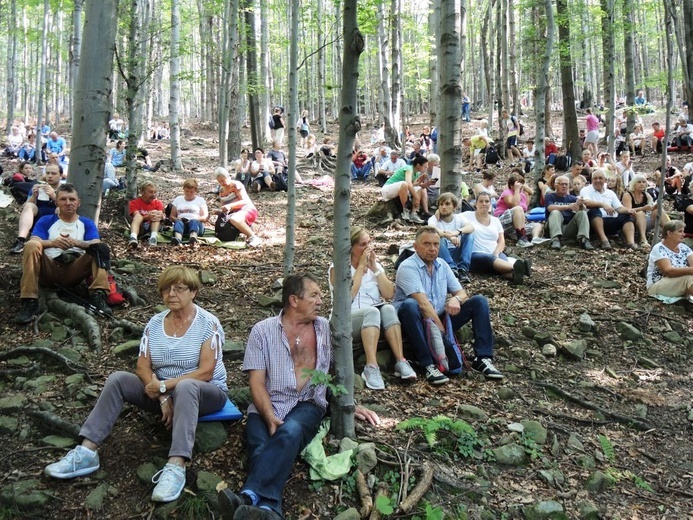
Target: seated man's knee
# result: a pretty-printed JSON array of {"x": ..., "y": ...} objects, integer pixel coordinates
[
  {"x": 33, "y": 246},
  {"x": 186, "y": 386},
  {"x": 409, "y": 307},
  {"x": 478, "y": 303}
]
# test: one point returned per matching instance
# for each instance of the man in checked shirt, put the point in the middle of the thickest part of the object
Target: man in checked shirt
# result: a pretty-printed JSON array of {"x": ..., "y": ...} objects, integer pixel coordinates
[{"x": 287, "y": 409}]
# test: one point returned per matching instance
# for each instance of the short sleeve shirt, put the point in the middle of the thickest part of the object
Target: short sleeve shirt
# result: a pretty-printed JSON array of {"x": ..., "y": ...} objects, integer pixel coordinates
[
  {"x": 190, "y": 209},
  {"x": 552, "y": 199},
  {"x": 502, "y": 206},
  {"x": 138, "y": 205},
  {"x": 485, "y": 237},
  {"x": 268, "y": 349},
  {"x": 413, "y": 277},
  {"x": 608, "y": 196},
  {"x": 51, "y": 227},
  {"x": 659, "y": 252}
]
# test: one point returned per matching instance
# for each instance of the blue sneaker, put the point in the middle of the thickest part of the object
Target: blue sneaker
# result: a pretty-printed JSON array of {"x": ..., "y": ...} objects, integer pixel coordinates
[
  {"x": 170, "y": 482},
  {"x": 77, "y": 463}
]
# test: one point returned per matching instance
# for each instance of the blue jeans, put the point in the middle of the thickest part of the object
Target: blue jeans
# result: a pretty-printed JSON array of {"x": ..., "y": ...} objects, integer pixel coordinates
[
  {"x": 361, "y": 173},
  {"x": 192, "y": 226},
  {"x": 271, "y": 458},
  {"x": 465, "y": 112},
  {"x": 483, "y": 262},
  {"x": 457, "y": 257},
  {"x": 475, "y": 309}
]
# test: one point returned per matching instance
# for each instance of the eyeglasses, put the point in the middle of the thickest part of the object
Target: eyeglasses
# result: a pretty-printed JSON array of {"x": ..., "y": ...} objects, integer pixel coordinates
[{"x": 178, "y": 289}]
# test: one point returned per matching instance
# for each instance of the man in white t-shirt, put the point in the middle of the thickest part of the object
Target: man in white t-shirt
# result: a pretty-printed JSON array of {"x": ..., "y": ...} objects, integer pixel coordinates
[
  {"x": 606, "y": 213},
  {"x": 456, "y": 236},
  {"x": 385, "y": 170}
]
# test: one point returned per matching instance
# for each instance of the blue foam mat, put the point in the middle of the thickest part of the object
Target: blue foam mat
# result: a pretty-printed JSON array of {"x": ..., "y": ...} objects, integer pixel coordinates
[{"x": 228, "y": 413}]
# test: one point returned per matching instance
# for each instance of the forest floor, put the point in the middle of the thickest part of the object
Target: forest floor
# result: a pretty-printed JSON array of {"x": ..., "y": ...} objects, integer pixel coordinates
[{"x": 619, "y": 420}]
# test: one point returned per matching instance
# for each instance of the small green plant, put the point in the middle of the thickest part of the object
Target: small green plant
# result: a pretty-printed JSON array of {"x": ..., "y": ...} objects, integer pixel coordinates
[
  {"x": 466, "y": 439},
  {"x": 349, "y": 485},
  {"x": 432, "y": 513},
  {"x": 322, "y": 378},
  {"x": 532, "y": 449},
  {"x": 10, "y": 513},
  {"x": 193, "y": 507},
  {"x": 316, "y": 485},
  {"x": 384, "y": 505},
  {"x": 607, "y": 448}
]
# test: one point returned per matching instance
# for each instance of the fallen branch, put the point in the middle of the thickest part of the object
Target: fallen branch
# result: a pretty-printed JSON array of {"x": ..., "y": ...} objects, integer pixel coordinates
[
  {"x": 55, "y": 422},
  {"x": 364, "y": 494},
  {"x": 134, "y": 328},
  {"x": 419, "y": 490},
  {"x": 559, "y": 415},
  {"x": 629, "y": 421},
  {"x": 11, "y": 373},
  {"x": 87, "y": 322},
  {"x": 32, "y": 351}
]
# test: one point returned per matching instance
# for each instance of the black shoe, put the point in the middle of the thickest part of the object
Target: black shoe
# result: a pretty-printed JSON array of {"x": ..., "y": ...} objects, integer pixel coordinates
[
  {"x": 29, "y": 311},
  {"x": 586, "y": 244},
  {"x": 255, "y": 513},
  {"x": 18, "y": 247},
  {"x": 463, "y": 276},
  {"x": 528, "y": 268},
  {"x": 156, "y": 167},
  {"x": 426, "y": 215},
  {"x": 98, "y": 300},
  {"x": 485, "y": 366},
  {"x": 176, "y": 241},
  {"x": 230, "y": 501},
  {"x": 518, "y": 272}
]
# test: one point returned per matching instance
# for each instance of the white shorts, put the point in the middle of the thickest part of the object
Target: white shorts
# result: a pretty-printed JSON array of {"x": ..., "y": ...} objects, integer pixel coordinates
[
  {"x": 592, "y": 137},
  {"x": 391, "y": 191}
]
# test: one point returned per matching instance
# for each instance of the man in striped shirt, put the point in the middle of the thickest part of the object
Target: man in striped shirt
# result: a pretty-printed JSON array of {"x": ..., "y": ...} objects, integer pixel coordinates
[{"x": 287, "y": 408}]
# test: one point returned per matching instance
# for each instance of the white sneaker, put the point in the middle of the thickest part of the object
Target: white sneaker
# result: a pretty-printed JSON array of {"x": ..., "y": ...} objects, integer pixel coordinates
[
  {"x": 152, "y": 241},
  {"x": 404, "y": 370},
  {"x": 77, "y": 463},
  {"x": 255, "y": 241},
  {"x": 405, "y": 214},
  {"x": 435, "y": 376},
  {"x": 373, "y": 378},
  {"x": 170, "y": 482},
  {"x": 537, "y": 241}
]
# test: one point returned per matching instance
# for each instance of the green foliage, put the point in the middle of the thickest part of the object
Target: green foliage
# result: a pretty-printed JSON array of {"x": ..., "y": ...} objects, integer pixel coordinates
[
  {"x": 193, "y": 507},
  {"x": 607, "y": 448},
  {"x": 432, "y": 513},
  {"x": 322, "y": 378},
  {"x": 466, "y": 439},
  {"x": 316, "y": 485},
  {"x": 10, "y": 513},
  {"x": 349, "y": 485},
  {"x": 384, "y": 505},
  {"x": 532, "y": 449}
]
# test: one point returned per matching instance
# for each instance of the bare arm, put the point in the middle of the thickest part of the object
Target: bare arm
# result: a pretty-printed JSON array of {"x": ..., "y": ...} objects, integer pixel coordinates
[
  {"x": 427, "y": 309},
  {"x": 664, "y": 265},
  {"x": 261, "y": 400}
]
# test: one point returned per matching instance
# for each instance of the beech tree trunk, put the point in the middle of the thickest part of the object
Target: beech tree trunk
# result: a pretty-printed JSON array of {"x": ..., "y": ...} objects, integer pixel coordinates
[
  {"x": 42, "y": 77},
  {"x": 433, "y": 72},
  {"x": 174, "y": 95},
  {"x": 609, "y": 85},
  {"x": 75, "y": 49},
  {"x": 629, "y": 60},
  {"x": 93, "y": 104},
  {"x": 450, "y": 102},
  {"x": 349, "y": 123},
  {"x": 11, "y": 65},
  {"x": 540, "y": 93},
  {"x": 253, "y": 83},
  {"x": 570, "y": 123},
  {"x": 396, "y": 41},
  {"x": 386, "y": 104},
  {"x": 134, "y": 97},
  {"x": 687, "y": 63}
]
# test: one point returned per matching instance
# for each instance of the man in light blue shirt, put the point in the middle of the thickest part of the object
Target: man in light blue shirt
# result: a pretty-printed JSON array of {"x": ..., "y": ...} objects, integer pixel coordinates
[{"x": 421, "y": 292}]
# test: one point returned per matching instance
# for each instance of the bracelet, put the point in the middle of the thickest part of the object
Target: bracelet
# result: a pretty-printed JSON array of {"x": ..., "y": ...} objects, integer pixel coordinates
[
  {"x": 378, "y": 272},
  {"x": 165, "y": 399}
]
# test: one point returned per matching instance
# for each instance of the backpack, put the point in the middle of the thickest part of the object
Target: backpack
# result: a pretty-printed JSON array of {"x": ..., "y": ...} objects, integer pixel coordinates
[
  {"x": 224, "y": 230},
  {"x": 444, "y": 349},
  {"x": 21, "y": 190},
  {"x": 491, "y": 154},
  {"x": 271, "y": 122},
  {"x": 563, "y": 162},
  {"x": 281, "y": 181},
  {"x": 680, "y": 202}
]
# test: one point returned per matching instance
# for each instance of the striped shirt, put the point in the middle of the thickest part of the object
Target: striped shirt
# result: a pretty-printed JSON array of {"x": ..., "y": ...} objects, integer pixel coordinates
[
  {"x": 268, "y": 349},
  {"x": 413, "y": 277},
  {"x": 174, "y": 357}
]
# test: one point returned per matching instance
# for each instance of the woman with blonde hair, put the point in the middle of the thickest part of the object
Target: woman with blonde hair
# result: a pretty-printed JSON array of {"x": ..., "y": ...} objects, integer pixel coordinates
[
  {"x": 637, "y": 198},
  {"x": 370, "y": 313}
]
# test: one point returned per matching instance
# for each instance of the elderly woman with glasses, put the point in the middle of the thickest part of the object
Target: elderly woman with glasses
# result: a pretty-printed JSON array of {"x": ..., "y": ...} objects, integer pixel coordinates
[{"x": 180, "y": 375}]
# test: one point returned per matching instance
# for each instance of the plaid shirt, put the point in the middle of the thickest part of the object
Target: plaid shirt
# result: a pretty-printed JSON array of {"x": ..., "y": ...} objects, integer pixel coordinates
[{"x": 268, "y": 349}]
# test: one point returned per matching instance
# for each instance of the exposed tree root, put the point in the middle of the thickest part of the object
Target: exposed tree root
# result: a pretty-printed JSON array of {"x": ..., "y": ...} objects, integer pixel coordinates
[
  {"x": 56, "y": 423},
  {"x": 419, "y": 490},
  {"x": 87, "y": 323},
  {"x": 375, "y": 512},
  {"x": 11, "y": 373},
  {"x": 629, "y": 421},
  {"x": 33, "y": 351},
  {"x": 364, "y": 495},
  {"x": 559, "y": 415},
  {"x": 134, "y": 328}
]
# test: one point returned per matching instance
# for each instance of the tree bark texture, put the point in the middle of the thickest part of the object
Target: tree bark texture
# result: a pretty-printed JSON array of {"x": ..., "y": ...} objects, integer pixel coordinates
[
  {"x": 93, "y": 104},
  {"x": 570, "y": 124},
  {"x": 174, "y": 95},
  {"x": 542, "y": 86},
  {"x": 349, "y": 123},
  {"x": 608, "y": 51}
]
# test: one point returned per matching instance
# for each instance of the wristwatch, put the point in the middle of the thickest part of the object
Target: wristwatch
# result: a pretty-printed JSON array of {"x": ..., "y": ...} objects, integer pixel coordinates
[{"x": 162, "y": 387}]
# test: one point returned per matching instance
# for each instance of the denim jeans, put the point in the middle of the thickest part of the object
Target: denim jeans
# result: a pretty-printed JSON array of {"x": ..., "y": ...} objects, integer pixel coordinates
[
  {"x": 192, "y": 226},
  {"x": 475, "y": 309},
  {"x": 361, "y": 173},
  {"x": 271, "y": 458},
  {"x": 457, "y": 257}
]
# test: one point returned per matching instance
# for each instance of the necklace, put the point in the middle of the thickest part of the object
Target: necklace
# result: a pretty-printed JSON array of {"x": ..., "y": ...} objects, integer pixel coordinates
[
  {"x": 185, "y": 321},
  {"x": 297, "y": 337}
]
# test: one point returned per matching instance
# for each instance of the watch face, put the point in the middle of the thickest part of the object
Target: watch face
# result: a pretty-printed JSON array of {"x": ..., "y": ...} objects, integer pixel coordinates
[{"x": 162, "y": 387}]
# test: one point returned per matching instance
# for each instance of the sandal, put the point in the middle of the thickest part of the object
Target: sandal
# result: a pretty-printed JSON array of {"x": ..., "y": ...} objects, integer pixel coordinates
[{"x": 645, "y": 245}]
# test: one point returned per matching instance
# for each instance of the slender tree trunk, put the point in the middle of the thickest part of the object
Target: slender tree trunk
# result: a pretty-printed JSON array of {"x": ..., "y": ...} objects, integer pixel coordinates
[
  {"x": 512, "y": 58},
  {"x": 174, "y": 94},
  {"x": 433, "y": 73},
  {"x": 349, "y": 123},
  {"x": 687, "y": 63},
  {"x": 75, "y": 44},
  {"x": 391, "y": 133},
  {"x": 292, "y": 116},
  {"x": 263, "y": 78},
  {"x": 503, "y": 46},
  {"x": 223, "y": 106},
  {"x": 133, "y": 95},
  {"x": 235, "y": 100},
  {"x": 570, "y": 124},
  {"x": 542, "y": 86},
  {"x": 609, "y": 75},
  {"x": 42, "y": 76},
  {"x": 322, "y": 109},
  {"x": 501, "y": 91},
  {"x": 396, "y": 41},
  {"x": 93, "y": 103},
  {"x": 629, "y": 61},
  {"x": 253, "y": 83},
  {"x": 450, "y": 119},
  {"x": 11, "y": 66}
]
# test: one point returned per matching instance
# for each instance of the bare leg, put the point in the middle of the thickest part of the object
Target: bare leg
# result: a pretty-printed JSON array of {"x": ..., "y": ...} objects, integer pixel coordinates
[
  {"x": 518, "y": 218},
  {"x": 26, "y": 219},
  {"x": 238, "y": 221},
  {"x": 598, "y": 228},
  {"x": 137, "y": 220},
  {"x": 369, "y": 338},
  {"x": 641, "y": 226},
  {"x": 393, "y": 335},
  {"x": 403, "y": 194},
  {"x": 629, "y": 232}
]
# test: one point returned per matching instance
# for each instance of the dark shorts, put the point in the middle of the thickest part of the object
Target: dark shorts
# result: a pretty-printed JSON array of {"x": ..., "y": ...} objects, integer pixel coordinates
[
  {"x": 512, "y": 141},
  {"x": 304, "y": 133},
  {"x": 483, "y": 262}
]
